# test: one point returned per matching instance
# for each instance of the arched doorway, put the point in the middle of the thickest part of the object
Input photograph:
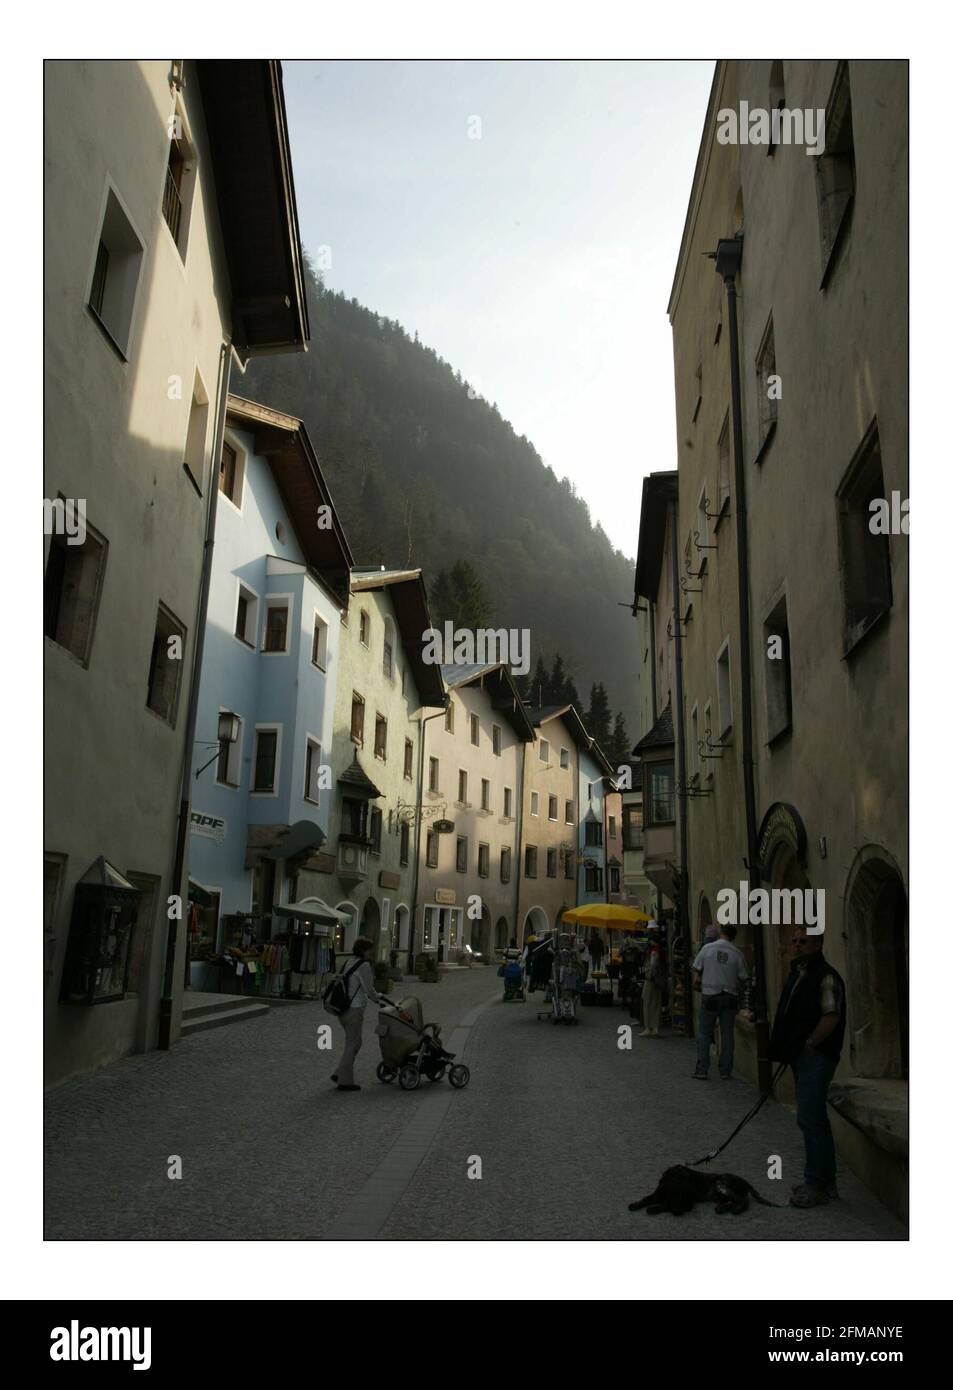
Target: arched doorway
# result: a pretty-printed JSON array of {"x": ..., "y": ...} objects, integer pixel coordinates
[
  {"x": 371, "y": 923},
  {"x": 401, "y": 923},
  {"x": 785, "y": 872},
  {"x": 877, "y": 965},
  {"x": 480, "y": 931},
  {"x": 536, "y": 923},
  {"x": 345, "y": 932},
  {"x": 502, "y": 934}
]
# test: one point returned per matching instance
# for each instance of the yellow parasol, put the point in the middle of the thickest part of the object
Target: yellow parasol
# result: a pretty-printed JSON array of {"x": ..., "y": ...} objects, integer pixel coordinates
[{"x": 610, "y": 916}]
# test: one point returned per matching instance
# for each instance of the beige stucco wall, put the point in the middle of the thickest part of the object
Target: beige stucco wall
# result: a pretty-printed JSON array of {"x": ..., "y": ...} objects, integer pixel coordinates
[
  {"x": 549, "y": 896},
  {"x": 455, "y": 752},
  {"x": 115, "y": 438}
]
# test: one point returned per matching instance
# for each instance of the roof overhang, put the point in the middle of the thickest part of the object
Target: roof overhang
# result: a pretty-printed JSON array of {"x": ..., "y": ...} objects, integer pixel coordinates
[
  {"x": 248, "y": 133},
  {"x": 409, "y": 597},
  {"x": 658, "y": 490}
]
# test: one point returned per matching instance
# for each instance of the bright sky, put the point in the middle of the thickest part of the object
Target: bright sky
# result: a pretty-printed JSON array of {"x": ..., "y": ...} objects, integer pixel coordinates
[{"x": 538, "y": 258}]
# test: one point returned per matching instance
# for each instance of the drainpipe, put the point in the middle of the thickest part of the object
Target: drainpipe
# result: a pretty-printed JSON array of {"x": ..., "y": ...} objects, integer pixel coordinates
[
  {"x": 682, "y": 898},
  {"x": 519, "y": 845},
  {"x": 727, "y": 264},
  {"x": 424, "y": 719},
  {"x": 185, "y": 801}
]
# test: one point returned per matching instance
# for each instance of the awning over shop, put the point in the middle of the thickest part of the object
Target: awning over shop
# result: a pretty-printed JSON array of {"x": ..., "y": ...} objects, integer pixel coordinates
[
  {"x": 300, "y": 838},
  {"x": 610, "y": 916},
  {"x": 313, "y": 910},
  {"x": 200, "y": 895}
]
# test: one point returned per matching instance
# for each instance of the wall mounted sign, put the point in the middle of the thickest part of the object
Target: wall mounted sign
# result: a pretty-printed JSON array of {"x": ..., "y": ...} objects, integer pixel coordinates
[
  {"x": 211, "y": 826},
  {"x": 446, "y": 896}
]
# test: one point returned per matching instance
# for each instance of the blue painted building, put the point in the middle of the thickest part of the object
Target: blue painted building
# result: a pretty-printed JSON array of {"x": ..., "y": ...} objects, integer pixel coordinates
[
  {"x": 594, "y": 781},
  {"x": 279, "y": 583}
]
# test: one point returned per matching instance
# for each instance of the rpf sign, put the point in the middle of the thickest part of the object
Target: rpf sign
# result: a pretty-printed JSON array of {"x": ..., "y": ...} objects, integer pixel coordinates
[{"x": 213, "y": 827}]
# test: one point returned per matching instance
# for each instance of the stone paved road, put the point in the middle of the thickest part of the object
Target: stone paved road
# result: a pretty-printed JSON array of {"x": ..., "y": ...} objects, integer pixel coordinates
[{"x": 568, "y": 1129}]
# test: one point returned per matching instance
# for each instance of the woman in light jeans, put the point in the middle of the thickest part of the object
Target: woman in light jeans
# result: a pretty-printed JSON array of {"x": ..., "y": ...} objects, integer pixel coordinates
[{"x": 359, "y": 982}]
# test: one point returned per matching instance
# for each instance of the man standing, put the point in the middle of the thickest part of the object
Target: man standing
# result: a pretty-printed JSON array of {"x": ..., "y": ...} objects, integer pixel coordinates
[
  {"x": 808, "y": 1033},
  {"x": 719, "y": 969}
]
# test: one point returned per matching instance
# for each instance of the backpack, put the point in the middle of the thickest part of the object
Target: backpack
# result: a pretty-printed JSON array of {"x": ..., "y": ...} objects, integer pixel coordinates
[{"x": 337, "y": 996}]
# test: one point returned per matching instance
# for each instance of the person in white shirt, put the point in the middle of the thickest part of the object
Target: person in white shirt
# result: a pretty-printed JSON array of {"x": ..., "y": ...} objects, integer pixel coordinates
[
  {"x": 719, "y": 969},
  {"x": 359, "y": 982}
]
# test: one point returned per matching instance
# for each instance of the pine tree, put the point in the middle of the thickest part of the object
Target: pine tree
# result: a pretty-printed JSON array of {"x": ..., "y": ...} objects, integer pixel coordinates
[
  {"x": 460, "y": 597},
  {"x": 540, "y": 685},
  {"x": 599, "y": 716},
  {"x": 572, "y": 696},
  {"x": 557, "y": 681},
  {"x": 620, "y": 746}
]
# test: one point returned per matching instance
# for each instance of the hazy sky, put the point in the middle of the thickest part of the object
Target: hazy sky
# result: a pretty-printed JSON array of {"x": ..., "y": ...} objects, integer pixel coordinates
[{"x": 538, "y": 258}]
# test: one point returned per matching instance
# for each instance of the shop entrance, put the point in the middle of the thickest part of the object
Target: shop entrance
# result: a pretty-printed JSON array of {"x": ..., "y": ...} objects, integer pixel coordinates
[{"x": 371, "y": 922}]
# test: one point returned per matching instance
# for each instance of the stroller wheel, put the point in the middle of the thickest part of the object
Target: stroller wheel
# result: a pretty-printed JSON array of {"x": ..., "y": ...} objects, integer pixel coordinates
[
  {"x": 384, "y": 1072},
  {"x": 409, "y": 1078},
  {"x": 438, "y": 1074},
  {"x": 459, "y": 1075}
]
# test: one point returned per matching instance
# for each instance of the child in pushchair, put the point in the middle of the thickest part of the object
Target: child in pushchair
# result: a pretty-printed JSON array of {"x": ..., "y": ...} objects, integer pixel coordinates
[{"x": 411, "y": 1048}]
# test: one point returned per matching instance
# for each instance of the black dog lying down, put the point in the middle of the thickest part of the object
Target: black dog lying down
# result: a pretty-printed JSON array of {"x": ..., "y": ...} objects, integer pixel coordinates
[{"x": 680, "y": 1188}]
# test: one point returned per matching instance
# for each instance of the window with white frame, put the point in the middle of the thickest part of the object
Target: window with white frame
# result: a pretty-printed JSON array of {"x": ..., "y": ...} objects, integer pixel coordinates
[
  {"x": 448, "y": 717},
  {"x": 507, "y": 803},
  {"x": 544, "y": 750},
  {"x": 246, "y": 616},
  {"x": 72, "y": 586},
  {"x": 554, "y": 808},
  {"x": 497, "y": 740},
  {"x": 231, "y": 473},
  {"x": 564, "y": 757},
  {"x": 319, "y": 643},
  {"x": 484, "y": 794},
  {"x": 365, "y": 629},
  {"x": 534, "y": 803},
  {"x": 312, "y": 771},
  {"x": 165, "y": 665},
  {"x": 115, "y": 279},
  {"x": 777, "y": 671},
  {"x": 462, "y": 787},
  {"x": 228, "y": 771},
  {"x": 277, "y": 622},
  {"x": 179, "y": 188},
  {"x": 265, "y": 769},
  {"x": 387, "y": 664},
  {"x": 433, "y": 782},
  {"x": 475, "y": 730}
]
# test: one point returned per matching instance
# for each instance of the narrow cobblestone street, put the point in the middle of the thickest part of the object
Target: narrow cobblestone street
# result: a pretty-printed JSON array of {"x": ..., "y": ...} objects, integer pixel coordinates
[{"x": 568, "y": 1128}]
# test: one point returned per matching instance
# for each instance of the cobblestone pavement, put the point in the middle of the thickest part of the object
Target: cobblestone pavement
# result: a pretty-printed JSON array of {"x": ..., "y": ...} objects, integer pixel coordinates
[{"x": 567, "y": 1127}]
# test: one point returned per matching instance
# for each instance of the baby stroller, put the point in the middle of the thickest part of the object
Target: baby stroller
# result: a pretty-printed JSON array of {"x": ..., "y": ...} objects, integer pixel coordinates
[
  {"x": 512, "y": 972},
  {"x": 411, "y": 1048}
]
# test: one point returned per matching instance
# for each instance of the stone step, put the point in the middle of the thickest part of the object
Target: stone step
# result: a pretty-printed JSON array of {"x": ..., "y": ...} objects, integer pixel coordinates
[
  {"x": 197, "y": 1004},
  {"x": 195, "y": 1021}
]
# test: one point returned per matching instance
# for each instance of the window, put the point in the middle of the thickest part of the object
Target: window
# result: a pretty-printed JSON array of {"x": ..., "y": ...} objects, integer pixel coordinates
[
  {"x": 497, "y": 740},
  {"x": 433, "y": 849},
  {"x": 276, "y": 625},
  {"x": 544, "y": 750},
  {"x": 724, "y": 465},
  {"x": 483, "y": 861},
  {"x": 554, "y": 808},
  {"x": 612, "y": 829},
  {"x": 530, "y": 861},
  {"x": 179, "y": 185},
  {"x": 115, "y": 279},
  {"x": 593, "y": 832},
  {"x": 228, "y": 771},
  {"x": 693, "y": 756},
  {"x": 354, "y": 820},
  {"x": 723, "y": 667},
  {"x": 462, "y": 848},
  {"x": 569, "y": 864},
  {"x": 165, "y": 665},
  {"x": 864, "y": 554},
  {"x": 404, "y": 842},
  {"x": 434, "y": 781},
  {"x": 365, "y": 628},
  {"x": 698, "y": 392},
  {"x": 231, "y": 474},
  {"x": 357, "y": 718},
  {"x": 377, "y": 826},
  {"x": 632, "y": 837},
  {"x": 777, "y": 671},
  {"x": 475, "y": 730},
  {"x": 701, "y": 529},
  {"x": 319, "y": 644},
  {"x": 534, "y": 803},
  {"x": 767, "y": 389},
  {"x": 564, "y": 757},
  {"x": 776, "y": 100},
  {"x": 387, "y": 664},
  {"x": 570, "y": 812},
  {"x": 834, "y": 171},
  {"x": 551, "y": 863},
  {"x": 661, "y": 793},
  {"x": 593, "y": 878},
  {"x": 193, "y": 460},
  {"x": 266, "y": 758},
  {"x": 613, "y": 879},
  {"x": 246, "y": 616},
  {"x": 71, "y": 588},
  {"x": 462, "y": 787},
  {"x": 448, "y": 718},
  {"x": 484, "y": 795},
  {"x": 408, "y": 760},
  {"x": 507, "y": 803},
  {"x": 380, "y": 737},
  {"x": 312, "y": 771},
  {"x": 506, "y": 865},
  {"x": 708, "y": 760}
]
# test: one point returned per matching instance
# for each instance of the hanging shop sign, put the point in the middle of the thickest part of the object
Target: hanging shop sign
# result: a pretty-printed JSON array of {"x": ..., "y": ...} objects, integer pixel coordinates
[
  {"x": 443, "y": 827},
  {"x": 211, "y": 826}
]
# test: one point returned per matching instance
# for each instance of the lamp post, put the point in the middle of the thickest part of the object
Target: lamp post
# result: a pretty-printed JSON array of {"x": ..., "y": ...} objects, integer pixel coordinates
[{"x": 229, "y": 727}]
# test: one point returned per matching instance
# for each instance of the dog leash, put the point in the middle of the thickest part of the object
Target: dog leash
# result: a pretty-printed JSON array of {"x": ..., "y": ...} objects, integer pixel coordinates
[{"x": 739, "y": 1127}]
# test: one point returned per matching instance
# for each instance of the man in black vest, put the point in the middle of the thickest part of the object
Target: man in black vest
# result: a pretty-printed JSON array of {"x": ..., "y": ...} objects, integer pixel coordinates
[{"x": 808, "y": 1033}]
